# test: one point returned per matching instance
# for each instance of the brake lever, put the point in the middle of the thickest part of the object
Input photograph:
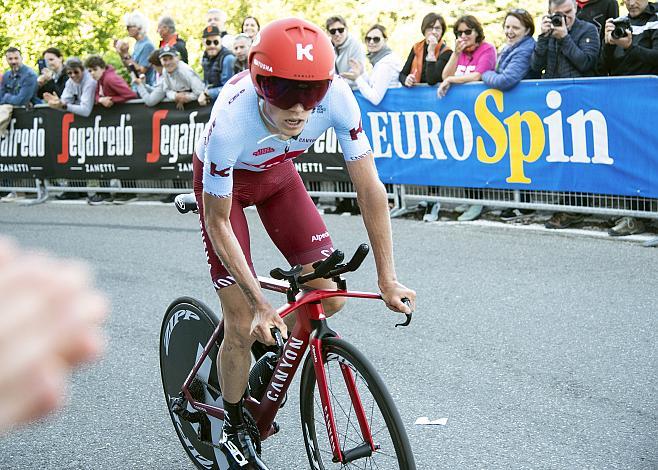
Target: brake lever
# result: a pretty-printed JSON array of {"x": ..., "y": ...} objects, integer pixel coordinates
[
  {"x": 407, "y": 322},
  {"x": 278, "y": 338}
]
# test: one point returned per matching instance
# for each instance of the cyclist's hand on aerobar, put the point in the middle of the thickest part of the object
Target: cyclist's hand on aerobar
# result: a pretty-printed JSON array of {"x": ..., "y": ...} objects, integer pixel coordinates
[
  {"x": 264, "y": 320},
  {"x": 393, "y": 292}
]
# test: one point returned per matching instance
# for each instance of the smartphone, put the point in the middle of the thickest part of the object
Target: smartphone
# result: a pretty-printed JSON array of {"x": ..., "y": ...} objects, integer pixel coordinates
[{"x": 41, "y": 64}]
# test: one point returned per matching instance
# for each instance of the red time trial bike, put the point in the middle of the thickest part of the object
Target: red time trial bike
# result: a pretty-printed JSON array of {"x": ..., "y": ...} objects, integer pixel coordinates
[{"x": 348, "y": 417}]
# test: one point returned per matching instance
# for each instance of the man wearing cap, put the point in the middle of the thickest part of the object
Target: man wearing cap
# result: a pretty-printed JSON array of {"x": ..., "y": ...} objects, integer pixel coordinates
[
  {"x": 217, "y": 64},
  {"x": 179, "y": 82}
]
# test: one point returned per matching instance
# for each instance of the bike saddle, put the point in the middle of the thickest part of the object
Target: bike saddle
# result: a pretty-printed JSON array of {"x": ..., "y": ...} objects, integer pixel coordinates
[{"x": 186, "y": 203}]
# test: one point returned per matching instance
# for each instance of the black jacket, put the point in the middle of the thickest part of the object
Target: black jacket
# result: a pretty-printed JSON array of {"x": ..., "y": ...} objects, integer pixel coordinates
[
  {"x": 213, "y": 67},
  {"x": 432, "y": 71},
  {"x": 575, "y": 55},
  {"x": 597, "y": 12},
  {"x": 642, "y": 57},
  {"x": 54, "y": 86}
]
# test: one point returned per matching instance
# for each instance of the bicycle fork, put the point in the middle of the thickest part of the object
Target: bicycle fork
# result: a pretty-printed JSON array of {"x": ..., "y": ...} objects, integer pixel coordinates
[{"x": 368, "y": 446}]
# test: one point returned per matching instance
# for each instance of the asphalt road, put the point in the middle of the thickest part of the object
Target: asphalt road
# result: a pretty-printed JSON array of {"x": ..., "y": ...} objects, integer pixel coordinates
[{"x": 539, "y": 347}]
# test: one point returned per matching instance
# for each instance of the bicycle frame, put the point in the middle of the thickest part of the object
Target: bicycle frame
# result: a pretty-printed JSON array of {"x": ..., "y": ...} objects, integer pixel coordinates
[{"x": 310, "y": 328}]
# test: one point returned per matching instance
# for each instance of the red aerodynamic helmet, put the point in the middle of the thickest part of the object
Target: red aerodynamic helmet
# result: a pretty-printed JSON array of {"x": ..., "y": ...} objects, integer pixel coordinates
[{"x": 292, "y": 61}]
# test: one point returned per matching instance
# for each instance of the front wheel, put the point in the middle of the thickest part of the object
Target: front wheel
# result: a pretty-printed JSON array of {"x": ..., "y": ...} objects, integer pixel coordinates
[{"x": 393, "y": 450}]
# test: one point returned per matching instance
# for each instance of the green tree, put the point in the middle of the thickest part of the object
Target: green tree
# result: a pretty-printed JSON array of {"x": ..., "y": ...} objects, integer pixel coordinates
[{"x": 76, "y": 27}]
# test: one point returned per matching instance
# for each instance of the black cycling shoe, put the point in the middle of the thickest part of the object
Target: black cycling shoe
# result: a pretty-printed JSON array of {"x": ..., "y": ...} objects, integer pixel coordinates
[{"x": 239, "y": 449}]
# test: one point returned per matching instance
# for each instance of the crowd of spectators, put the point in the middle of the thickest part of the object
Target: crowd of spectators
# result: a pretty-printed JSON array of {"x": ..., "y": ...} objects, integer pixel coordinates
[{"x": 577, "y": 38}]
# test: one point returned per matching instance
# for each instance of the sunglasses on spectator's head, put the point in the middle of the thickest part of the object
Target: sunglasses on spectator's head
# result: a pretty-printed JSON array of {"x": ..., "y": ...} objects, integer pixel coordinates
[
  {"x": 467, "y": 32},
  {"x": 519, "y": 11},
  {"x": 210, "y": 42},
  {"x": 375, "y": 39},
  {"x": 333, "y": 31},
  {"x": 73, "y": 72}
]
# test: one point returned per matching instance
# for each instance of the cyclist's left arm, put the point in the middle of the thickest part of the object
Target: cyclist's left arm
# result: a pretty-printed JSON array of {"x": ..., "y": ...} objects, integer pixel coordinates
[
  {"x": 373, "y": 202},
  {"x": 371, "y": 194}
]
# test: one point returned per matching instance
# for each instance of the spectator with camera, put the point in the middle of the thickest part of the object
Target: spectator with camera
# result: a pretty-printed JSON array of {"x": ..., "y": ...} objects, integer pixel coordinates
[
  {"x": 137, "y": 63},
  {"x": 567, "y": 47},
  {"x": 597, "y": 12},
  {"x": 346, "y": 46},
  {"x": 631, "y": 48},
  {"x": 631, "y": 43},
  {"x": 179, "y": 82},
  {"x": 217, "y": 63},
  {"x": 385, "y": 67},
  {"x": 52, "y": 77},
  {"x": 428, "y": 57}
]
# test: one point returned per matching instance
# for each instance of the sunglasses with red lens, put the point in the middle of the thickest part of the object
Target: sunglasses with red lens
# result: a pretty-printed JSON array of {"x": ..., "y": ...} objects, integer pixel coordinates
[{"x": 284, "y": 93}]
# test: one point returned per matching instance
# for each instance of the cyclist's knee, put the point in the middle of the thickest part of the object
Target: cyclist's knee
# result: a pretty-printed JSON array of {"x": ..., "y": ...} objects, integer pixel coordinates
[
  {"x": 237, "y": 331},
  {"x": 333, "y": 305}
]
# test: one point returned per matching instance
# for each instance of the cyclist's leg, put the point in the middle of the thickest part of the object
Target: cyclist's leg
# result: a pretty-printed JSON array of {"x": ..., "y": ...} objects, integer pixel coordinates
[
  {"x": 235, "y": 352},
  {"x": 297, "y": 229}
]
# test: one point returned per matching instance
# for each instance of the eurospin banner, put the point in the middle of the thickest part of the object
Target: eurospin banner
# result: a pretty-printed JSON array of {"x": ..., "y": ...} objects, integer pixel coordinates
[{"x": 593, "y": 135}]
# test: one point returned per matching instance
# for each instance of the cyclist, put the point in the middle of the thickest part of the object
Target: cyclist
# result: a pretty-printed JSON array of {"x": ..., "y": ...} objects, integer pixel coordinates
[{"x": 263, "y": 118}]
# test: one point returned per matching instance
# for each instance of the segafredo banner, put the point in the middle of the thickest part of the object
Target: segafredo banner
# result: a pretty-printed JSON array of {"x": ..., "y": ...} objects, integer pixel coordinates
[
  {"x": 130, "y": 141},
  {"x": 597, "y": 135}
]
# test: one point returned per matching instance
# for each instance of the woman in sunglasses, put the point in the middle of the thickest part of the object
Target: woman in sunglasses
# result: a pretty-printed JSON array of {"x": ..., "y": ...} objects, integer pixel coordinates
[
  {"x": 471, "y": 59},
  {"x": 515, "y": 56},
  {"x": 385, "y": 67},
  {"x": 472, "y": 55},
  {"x": 259, "y": 123},
  {"x": 428, "y": 57}
]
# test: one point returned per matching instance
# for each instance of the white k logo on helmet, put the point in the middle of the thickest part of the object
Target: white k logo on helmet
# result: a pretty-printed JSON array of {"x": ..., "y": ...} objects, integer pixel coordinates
[{"x": 304, "y": 51}]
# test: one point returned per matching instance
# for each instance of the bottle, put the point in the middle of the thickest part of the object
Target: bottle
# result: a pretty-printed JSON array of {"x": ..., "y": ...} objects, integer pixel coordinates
[{"x": 260, "y": 375}]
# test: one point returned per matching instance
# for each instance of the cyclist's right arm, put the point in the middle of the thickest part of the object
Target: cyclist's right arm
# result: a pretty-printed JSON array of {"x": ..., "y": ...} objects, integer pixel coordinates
[
  {"x": 220, "y": 148},
  {"x": 217, "y": 211}
]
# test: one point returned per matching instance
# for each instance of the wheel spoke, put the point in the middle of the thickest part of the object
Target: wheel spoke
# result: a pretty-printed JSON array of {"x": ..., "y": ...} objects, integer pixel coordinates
[{"x": 384, "y": 426}]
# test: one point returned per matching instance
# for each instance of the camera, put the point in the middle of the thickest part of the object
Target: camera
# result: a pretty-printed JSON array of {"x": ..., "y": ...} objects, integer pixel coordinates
[
  {"x": 557, "y": 19},
  {"x": 133, "y": 70},
  {"x": 41, "y": 64},
  {"x": 622, "y": 27}
]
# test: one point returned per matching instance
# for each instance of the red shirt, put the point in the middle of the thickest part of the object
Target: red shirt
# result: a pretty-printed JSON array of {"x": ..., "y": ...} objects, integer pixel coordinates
[{"x": 113, "y": 86}]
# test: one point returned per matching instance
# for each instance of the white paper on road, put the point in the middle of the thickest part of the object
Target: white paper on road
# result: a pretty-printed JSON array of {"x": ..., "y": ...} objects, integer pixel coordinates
[{"x": 425, "y": 421}]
